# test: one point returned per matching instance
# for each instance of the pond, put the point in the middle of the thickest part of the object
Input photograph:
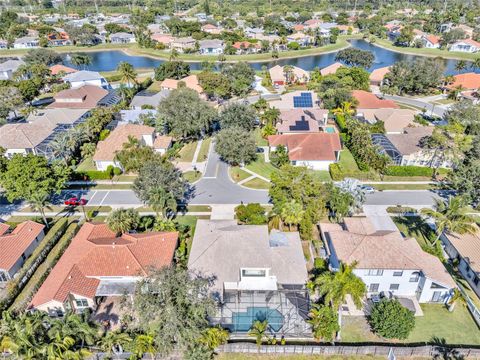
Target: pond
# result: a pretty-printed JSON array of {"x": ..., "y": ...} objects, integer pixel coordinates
[{"x": 109, "y": 60}]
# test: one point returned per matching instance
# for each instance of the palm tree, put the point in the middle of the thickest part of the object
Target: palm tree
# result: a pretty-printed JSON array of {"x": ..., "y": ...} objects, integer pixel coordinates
[
  {"x": 455, "y": 92},
  {"x": 127, "y": 72},
  {"x": 460, "y": 65},
  {"x": 259, "y": 331},
  {"x": 345, "y": 110},
  {"x": 61, "y": 147},
  {"x": 114, "y": 342},
  {"x": 449, "y": 79},
  {"x": 475, "y": 64},
  {"x": 174, "y": 54},
  {"x": 288, "y": 74},
  {"x": 334, "y": 288},
  {"x": 125, "y": 92},
  {"x": 457, "y": 296},
  {"x": 38, "y": 201},
  {"x": 121, "y": 221},
  {"x": 292, "y": 213},
  {"x": 74, "y": 326},
  {"x": 81, "y": 59},
  {"x": 213, "y": 337},
  {"x": 144, "y": 344},
  {"x": 162, "y": 201},
  {"x": 451, "y": 216},
  {"x": 274, "y": 221}
]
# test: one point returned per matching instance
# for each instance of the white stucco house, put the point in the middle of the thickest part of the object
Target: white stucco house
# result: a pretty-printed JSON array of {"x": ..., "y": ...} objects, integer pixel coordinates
[
  {"x": 8, "y": 68},
  {"x": 466, "y": 45},
  {"x": 386, "y": 261},
  {"x": 122, "y": 38},
  {"x": 211, "y": 47},
  {"x": 85, "y": 77},
  {"x": 26, "y": 42}
]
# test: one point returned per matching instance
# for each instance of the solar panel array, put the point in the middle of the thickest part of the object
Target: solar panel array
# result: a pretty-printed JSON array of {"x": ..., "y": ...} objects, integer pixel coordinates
[
  {"x": 303, "y": 101},
  {"x": 300, "y": 125}
]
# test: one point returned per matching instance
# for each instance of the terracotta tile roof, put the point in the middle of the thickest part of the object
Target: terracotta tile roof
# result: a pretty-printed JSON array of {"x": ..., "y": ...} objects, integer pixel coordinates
[
  {"x": 331, "y": 69},
  {"x": 434, "y": 39},
  {"x": 162, "y": 142},
  {"x": 107, "y": 149},
  {"x": 469, "y": 42},
  {"x": 468, "y": 246},
  {"x": 277, "y": 74},
  {"x": 84, "y": 97},
  {"x": 367, "y": 100},
  {"x": 162, "y": 38},
  {"x": 377, "y": 75},
  {"x": 314, "y": 147},
  {"x": 246, "y": 44},
  {"x": 298, "y": 27},
  {"x": 14, "y": 244},
  {"x": 469, "y": 81},
  {"x": 55, "y": 69},
  {"x": 301, "y": 120},
  {"x": 383, "y": 250},
  {"x": 95, "y": 251},
  {"x": 190, "y": 81}
]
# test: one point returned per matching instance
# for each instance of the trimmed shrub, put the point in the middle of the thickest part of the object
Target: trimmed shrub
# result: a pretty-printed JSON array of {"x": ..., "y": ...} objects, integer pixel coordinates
[
  {"x": 335, "y": 172},
  {"x": 392, "y": 320},
  {"x": 117, "y": 171},
  {"x": 252, "y": 214},
  {"x": 409, "y": 171},
  {"x": 93, "y": 175}
]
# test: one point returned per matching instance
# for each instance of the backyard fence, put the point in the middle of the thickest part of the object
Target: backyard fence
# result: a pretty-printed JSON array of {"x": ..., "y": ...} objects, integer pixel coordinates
[{"x": 359, "y": 350}]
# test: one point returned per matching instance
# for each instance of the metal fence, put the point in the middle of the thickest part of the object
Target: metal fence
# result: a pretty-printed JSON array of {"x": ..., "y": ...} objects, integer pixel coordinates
[{"x": 373, "y": 350}]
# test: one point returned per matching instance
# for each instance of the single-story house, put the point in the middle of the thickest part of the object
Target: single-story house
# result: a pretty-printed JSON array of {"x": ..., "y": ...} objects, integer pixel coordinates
[
  {"x": 246, "y": 47},
  {"x": 39, "y": 131},
  {"x": 59, "y": 39},
  {"x": 97, "y": 264},
  {"x": 122, "y": 38},
  {"x": 313, "y": 150},
  {"x": 406, "y": 148},
  {"x": 278, "y": 75},
  {"x": 211, "y": 47},
  {"x": 26, "y": 42},
  {"x": 256, "y": 275},
  {"x": 431, "y": 41},
  {"x": 324, "y": 29},
  {"x": 211, "y": 29},
  {"x": 295, "y": 100},
  {"x": 84, "y": 97},
  {"x": 253, "y": 33},
  {"x": 85, "y": 77},
  {"x": 301, "y": 120},
  {"x": 181, "y": 44},
  {"x": 164, "y": 39},
  {"x": 8, "y": 68},
  {"x": 386, "y": 261},
  {"x": 331, "y": 69},
  {"x": 148, "y": 100},
  {"x": 17, "y": 245},
  {"x": 394, "y": 120},
  {"x": 466, "y": 249},
  {"x": 467, "y": 81},
  {"x": 465, "y": 45},
  {"x": 190, "y": 81},
  {"x": 368, "y": 100},
  {"x": 300, "y": 38},
  {"x": 134, "y": 116},
  {"x": 61, "y": 69},
  {"x": 107, "y": 149},
  {"x": 377, "y": 75}
]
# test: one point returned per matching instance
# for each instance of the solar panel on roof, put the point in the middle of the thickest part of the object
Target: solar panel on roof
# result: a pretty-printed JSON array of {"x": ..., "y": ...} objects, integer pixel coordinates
[{"x": 303, "y": 101}]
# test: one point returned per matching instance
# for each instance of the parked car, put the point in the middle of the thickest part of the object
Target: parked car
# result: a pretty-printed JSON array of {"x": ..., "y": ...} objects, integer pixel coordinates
[
  {"x": 367, "y": 189},
  {"x": 74, "y": 201}
]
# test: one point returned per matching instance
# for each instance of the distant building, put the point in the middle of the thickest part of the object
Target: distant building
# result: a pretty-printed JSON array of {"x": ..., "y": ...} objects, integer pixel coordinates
[
  {"x": 148, "y": 100},
  {"x": 190, "y": 82},
  {"x": 431, "y": 41},
  {"x": 8, "y": 68},
  {"x": 182, "y": 44},
  {"x": 84, "y": 97},
  {"x": 26, "y": 43},
  {"x": 211, "y": 47},
  {"x": 122, "y": 38},
  {"x": 278, "y": 75},
  {"x": 466, "y": 45},
  {"x": 85, "y": 77},
  {"x": 377, "y": 75},
  {"x": 331, "y": 69},
  {"x": 59, "y": 39}
]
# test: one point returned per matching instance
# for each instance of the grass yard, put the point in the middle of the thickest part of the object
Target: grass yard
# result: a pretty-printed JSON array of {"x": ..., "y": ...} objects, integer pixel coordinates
[
  {"x": 259, "y": 139},
  {"x": 347, "y": 162},
  {"x": 199, "y": 208},
  {"x": 238, "y": 174},
  {"x": 192, "y": 176},
  {"x": 257, "y": 183},
  {"x": 86, "y": 165},
  {"x": 187, "y": 151},
  {"x": 404, "y": 186},
  {"x": 155, "y": 87},
  {"x": 203, "y": 153},
  {"x": 260, "y": 167},
  {"x": 235, "y": 356},
  {"x": 457, "y": 327},
  {"x": 322, "y": 175}
]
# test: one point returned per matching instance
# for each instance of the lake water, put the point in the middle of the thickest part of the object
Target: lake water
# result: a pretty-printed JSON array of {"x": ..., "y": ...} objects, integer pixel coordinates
[{"x": 109, "y": 60}]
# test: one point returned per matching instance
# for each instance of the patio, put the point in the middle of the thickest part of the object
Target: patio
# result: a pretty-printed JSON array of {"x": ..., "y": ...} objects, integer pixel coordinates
[
  {"x": 410, "y": 302},
  {"x": 109, "y": 312}
]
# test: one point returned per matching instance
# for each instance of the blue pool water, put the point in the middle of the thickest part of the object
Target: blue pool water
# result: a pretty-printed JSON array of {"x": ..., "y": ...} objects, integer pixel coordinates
[
  {"x": 242, "y": 321},
  {"x": 330, "y": 130}
]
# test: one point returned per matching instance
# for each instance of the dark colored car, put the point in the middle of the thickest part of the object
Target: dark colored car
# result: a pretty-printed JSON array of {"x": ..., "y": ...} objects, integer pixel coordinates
[{"x": 74, "y": 201}]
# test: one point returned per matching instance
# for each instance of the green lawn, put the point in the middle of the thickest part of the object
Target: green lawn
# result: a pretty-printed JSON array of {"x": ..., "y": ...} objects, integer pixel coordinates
[
  {"x": 86, "y": 165},
  {"x": 238, "y": 174},
  {"x": 259, "y": 139},
  {"x": 257, "y": 183},
  {"x": 199, "y": 208},
  {"x": 403, "y": 186},
  {"x": 457, "y": 327},
  {"x": 347, "y": 162},
  {"x": 203, "y": 153},
  {"x": 187, "y": 151},
  {"x": 260, "y": 167},
  {"x": 192, "y": 176},
  {"x": 322, "y": 175}
]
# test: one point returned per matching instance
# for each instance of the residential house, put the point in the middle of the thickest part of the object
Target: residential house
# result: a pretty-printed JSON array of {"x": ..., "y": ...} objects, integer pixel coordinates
[
  {"x": 17, "y": 245},
  {"x": 300, "y": 38},
  {"x": 190, "y": 81},
  {"x": 331, "y": 69},
  {"x": 26, "y": 42},
  {"x": 99, "y": 264},
  {"x": 431, "y": 41},
  {"x": 296, "y": 100},
  {"x": 256, "y": 275},
  {"x": 183, "y": 44},
  {"x": 465, "y": 248},
  {"x": 298, "y": 27},
  {"x": 368, "y": 100},
  {"x": 395, "y": 120},
  {"x": 59, "y": 39},
  {"x": 386, "y": 261},
  {"x": 313, "y": 150},
  {"x": 122, "y": 38},
  {"x": 406, "y": 148},
  {"x": 8, "y": 68},
  {"x": 301, "y": 120},
  {"x": 295, "y": 75},
  {"x": 36, "y": 135},
  {"x": 148, "y": 100},
  {"x": 465, "y": 45},
  {"x": 85, "y": 77},
  {"x": 246, "y": 47},
  {"x": 135, "y": 116},
  {"x": 466, "y": 81},
  {"x": 211, "y": 47},
  {"x": 324, "y": 29},
  {"x": 468, "y": 30},
  {"x": 212, "y": 29},
  {"x": 84, "y": 97},
  {"x": 107, "y": 149},
  {"x": 377, "y": 75},
  {"x": 164, "y": 39},
  {"x": 446, "y": 27},
  {"x": 393, "y": 30},
  {"x": 253, "y": 33},
  {"x": 60, "y": 69},
  {"x": 312, "y": 24}
]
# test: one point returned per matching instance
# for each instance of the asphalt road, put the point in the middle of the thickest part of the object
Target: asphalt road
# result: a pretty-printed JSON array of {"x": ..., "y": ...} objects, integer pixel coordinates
[
  {"x": 405, "y": 198},
  {"x": 437, "y": 109}
]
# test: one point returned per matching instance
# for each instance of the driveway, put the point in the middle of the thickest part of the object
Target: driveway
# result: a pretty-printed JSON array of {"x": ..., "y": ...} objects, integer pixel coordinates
[{"x": 438, "y": 110}]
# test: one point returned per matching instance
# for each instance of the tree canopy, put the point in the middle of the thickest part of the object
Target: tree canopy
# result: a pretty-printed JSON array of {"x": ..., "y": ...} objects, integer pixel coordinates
[
  {"x": 355, "y": 57},
  {"x": 239, "y": 115},
  {"x": 172, "y": 70},
  {"x": 236, "y": 145},
  {"x": 391, "y": 320}
]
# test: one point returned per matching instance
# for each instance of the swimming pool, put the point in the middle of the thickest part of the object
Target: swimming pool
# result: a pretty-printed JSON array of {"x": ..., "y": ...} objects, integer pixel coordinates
[
  {"x": 242, "y": 321},
  {"x": 330, "y": 130}
]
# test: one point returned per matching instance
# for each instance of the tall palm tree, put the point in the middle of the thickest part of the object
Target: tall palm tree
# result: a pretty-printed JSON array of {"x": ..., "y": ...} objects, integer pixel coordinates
[
  {"x": 455, "y": 92},
  {"x": 288, "y": 74},
  {"x": 81, "y": 59},
  {"x": 144, "y": 344},
  {"x": 38, "y": 201},
  {"x": 127, "y": 72},
  {"x": 174, "y": 55},
  {"x": 475, "y": 64},
  {"x": 259, "y": 331},
  {"x": 121, "y": 221},
  {"x": 162, "y": 201},
  {"x": 114, "y": 342},
  {"x": 61, "y": 147},
  {"x": 451, "y": 216},
  {"x": 345, "y": 110},
  {"x": 292, "y": 213},
  {"x": 460, "y": 65}
]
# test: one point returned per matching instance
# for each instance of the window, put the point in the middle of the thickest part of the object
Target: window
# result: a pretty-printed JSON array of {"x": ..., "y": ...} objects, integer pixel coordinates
[
  {"x": 437, "y": 296},
  {"x": 415, "y": 276},
  {"x": 254, "y": 272},
  {"x": 373, "y": 287},
  {"x": 436, "y": 286},
  {"x": 81, "y": 302},
  {"x": 24, "y": 257},
  {"x": 375, "y": 272},
  {"x": 475, "y": 280},
  {"x": 3, "y": 277},
  {"x": 397, "y": 273},
  {"x": 394, "y": 286}
]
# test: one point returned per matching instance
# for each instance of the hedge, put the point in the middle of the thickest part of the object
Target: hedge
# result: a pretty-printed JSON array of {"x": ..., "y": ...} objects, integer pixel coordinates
[
  {"x": 37, "y": 279},
  {"x": 409, "y": 171},
  {"x": 338, "y": 174},
  {"x": 93, "y": 175},
  {"x": 32, "y": 263}
]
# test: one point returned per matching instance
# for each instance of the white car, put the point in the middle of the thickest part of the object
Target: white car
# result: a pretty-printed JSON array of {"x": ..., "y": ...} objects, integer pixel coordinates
[{"x": 367, "y": 189}]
